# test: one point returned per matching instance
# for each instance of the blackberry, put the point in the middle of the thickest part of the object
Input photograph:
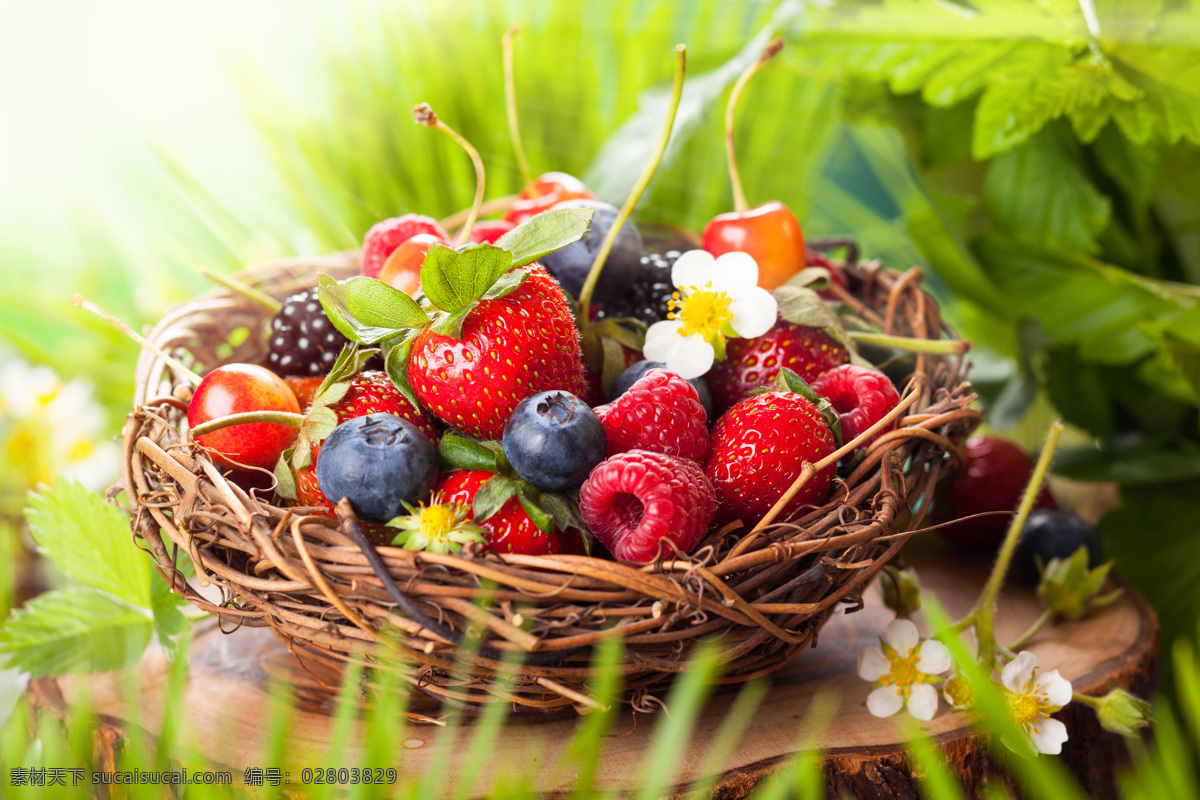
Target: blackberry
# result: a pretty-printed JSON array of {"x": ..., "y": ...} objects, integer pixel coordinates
[
  {"x": 303, "y": 340},
  {"x": 647, "y": 298}
]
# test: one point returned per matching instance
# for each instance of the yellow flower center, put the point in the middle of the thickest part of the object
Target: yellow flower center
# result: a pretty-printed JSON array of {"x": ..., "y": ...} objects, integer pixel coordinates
[
  {"x": 1026, "y": 707},
  {"x": 904, "y": 672},
  {"x": 959, "y": 692},
  {"x": 438, "y": 521},
  {"x": 704, "y": 311}
]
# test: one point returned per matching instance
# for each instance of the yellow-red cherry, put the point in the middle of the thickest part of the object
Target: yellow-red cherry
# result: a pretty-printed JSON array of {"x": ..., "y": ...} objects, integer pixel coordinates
[
  {"x": 548, "y": 190},
  {"x": 770, "y": 233},
  {"x": 402, "y": 270},
  {"x": 238, "y": 388}
]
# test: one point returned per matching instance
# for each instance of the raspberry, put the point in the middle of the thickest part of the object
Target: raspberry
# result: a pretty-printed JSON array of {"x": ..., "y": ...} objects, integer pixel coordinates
[
  {"x": 751, "y": 364},
  {"x": 303, "y": 340},
  {"x": 860, "y": 396},
  {"x": 386, "y": 236},
  {"x": 489, "y": 230},
  {"x": 635, "y": 500},
  {"x": 660, "y": 412}
]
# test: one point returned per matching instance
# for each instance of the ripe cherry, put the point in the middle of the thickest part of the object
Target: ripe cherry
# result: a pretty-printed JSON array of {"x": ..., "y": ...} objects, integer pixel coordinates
[
  {"x": 238, "y": 388},
  {"x": 769, "y": 232},
  {"x": 546, "y": 191},
  {"x": 402, "y": 270}
]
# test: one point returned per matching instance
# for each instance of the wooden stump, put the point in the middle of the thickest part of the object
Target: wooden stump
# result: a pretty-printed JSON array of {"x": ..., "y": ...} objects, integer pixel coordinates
[{"x": 226, "y": 704}]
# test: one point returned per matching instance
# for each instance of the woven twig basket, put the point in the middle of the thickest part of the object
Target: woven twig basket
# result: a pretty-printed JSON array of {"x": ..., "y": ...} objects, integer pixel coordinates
[{"x": 763, "y": 596}]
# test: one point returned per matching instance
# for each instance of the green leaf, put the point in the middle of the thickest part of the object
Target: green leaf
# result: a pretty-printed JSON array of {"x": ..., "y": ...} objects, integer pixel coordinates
[
  {"x": 452, "y": 324},
  {"x": 508, "y": 283},
  {"x": 803, "y": 306},
  {"x": 613, "y": 364},
  {"x": 285, "y": 481},
  {"x": 529, "y": 499},
  {"x": 396, "y": 365},
  {"x": 453, "y": 280},
  {"x": 169, "y": 621},
  {"x": 492, "y": 495},
  {"x": 1009, "y": 111},
  {"x": 89, "y": 541},
  {"x": 1185, "y": 357},
  {"x": 546, "y": 232},
  {"x": 463, "y": 453},
  {"x": 564, "y": 510},
  {"x": 75, "y": 630},
  {"x": 1039, "y": 192},
  {"x": 1138, "y": 463},
  {"x": 367, "y": 310}
]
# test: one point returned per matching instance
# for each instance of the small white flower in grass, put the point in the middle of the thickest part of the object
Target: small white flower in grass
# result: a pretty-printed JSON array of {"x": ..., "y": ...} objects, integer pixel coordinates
[
  {"x": 902, "y": 670},
  {"x": 717, "y": 298},
  {"x": 1033, "y": 698}
]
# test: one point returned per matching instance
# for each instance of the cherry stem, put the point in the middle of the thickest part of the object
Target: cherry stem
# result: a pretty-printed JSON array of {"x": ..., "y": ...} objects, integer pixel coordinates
[
  {"x": 912, "y": 345},
  {"x": 510, "y": 105},
  {"x": 426, "y": 116},
  {"x": 247, "y": 417},
  {"x": 664, "y": 137},
  {"x": 739, "y": 194},
  {"x": 79, "y": 301},
  {"x": 985, "y": 610},
  {"x": 245, "y": 290}
]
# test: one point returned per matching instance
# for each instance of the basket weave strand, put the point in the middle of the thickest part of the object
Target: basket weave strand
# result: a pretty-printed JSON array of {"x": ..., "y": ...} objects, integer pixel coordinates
[{"x": 763, "y": 595}]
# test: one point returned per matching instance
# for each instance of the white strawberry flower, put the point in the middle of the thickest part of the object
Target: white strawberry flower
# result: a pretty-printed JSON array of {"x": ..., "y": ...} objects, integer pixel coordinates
[
  {"x": 1033, "y": 698},
  {"x": 717, "y": 298},
  {"x": 902, "y": 669}
]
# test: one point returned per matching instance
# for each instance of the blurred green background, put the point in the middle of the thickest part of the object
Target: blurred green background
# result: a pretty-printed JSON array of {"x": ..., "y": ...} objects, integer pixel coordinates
[{"x": 1039, "y": 159}]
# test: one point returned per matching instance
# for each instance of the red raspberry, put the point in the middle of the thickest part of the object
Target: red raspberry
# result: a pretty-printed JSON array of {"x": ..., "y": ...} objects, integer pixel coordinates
[
  {"x": 860, "y": 396},
  {"x": 386, "y": 236},
  {"x": 372, "y": 392},
  {"x": 993, "y": 479},
  {"x": 751, "y": 364},
  {"x": 635, "y": 500},
  {"x": 758, "y": 450},
  {"x": 509, "y": 530},
  {"x": 489, "y": 230},
  {"x": 660, "y": 412}
]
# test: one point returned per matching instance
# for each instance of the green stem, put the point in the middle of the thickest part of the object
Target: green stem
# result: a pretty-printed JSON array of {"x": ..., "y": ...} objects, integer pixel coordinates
[
  {"x": 245, "y": 290},
  {"x": 912, "y": 345},
  {"x": 79, "y": 301},
  {"x": 985, "y": 609},
  {"x": 1038, "y": 624},
  {"x": 589, "y": 285},
  {"x": 246, "y": 417},
  {"x": 426, "y": 116},
  {"x": 739, "y": 194},
  {"x": 1087, "y": 700},
  {"x": 510, "y": 105}
]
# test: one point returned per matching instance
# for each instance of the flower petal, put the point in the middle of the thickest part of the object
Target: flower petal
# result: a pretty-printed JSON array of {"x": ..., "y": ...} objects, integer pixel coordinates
[
  {"x": 934, "y": 658},
  {"x": 663, "y": 340},
  {"x": 694, "y": 268},
  {"x": 1048, "y": 736},
  {"x": 873, "y": 664},
  {"x": 737, "y": 274},
  {"x": 1016, "y": 673},
  {"x": 753, "y": 313},
  {"x": 693, "y": 359},
  {"x": 1056, "y": 688},
  {"x": 923, "y": 702},
  {"x": 885, "y": 701},
  {"x": 902, "y": 636}
]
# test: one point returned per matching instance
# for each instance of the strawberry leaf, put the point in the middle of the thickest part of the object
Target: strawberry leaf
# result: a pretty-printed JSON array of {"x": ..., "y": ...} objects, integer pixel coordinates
[
  {"x": 463, "y": 453},
  {"x": 396, "y": 365},
  {"x": 492, "y": 495},
  {"x": 452, "y": 324},
  {"x": 529, "y": 498},
  {"x": 548, "y": 231},
  {"x": 506, "y": 284},
  {"x": 453, "y": 280},
  {"x": 564, "y": 510},
  {"x": 802, "y": 306},
  {"x": 366, "y": 310}
]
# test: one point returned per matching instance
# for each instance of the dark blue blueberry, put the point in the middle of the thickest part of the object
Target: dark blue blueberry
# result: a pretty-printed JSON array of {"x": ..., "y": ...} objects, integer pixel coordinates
[
  {"x": 571, "y": 264},
  {"x": 378, "y": 462},
  {"x": 635, "y": 371},
  {"x": 553, "y": 440},
  {"x": 1054, "y": 533}
]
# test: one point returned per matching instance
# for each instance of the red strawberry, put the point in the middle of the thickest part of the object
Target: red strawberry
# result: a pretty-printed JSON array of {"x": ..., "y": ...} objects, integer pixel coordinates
[
  {"x": 993, "y": 479},
  {"x": 509, "y": 530},
  {"x": 860, "y": 396},
  {"x": 636, "y": 500},
  {"x": 489, "y": 230},
  {"x": 372, "y": 392},
  {"x": 751, "y": 364},
  {"x": 660, "y": 412},
  {"x": 386, "y": 236},
  {"x": 757, "y": 450},
  {"x": 510, "y": 348}
]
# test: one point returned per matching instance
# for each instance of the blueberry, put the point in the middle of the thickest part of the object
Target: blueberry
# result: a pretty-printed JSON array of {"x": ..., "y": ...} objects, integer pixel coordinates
[
  {"x": 554, "y": 440},
  {"x": 635, "y": 371},
  {"x": 571, "y": 264},
  {"x": 378, "y": 462},
  {"x": 1054, "y": 533}
]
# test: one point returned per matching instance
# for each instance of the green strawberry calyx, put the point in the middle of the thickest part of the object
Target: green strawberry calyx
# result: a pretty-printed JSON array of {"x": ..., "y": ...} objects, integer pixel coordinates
[
  {"x": 436, "y": 527},
  {"x": 789, "y": 381},
  {"x": 320, "y": 419}
]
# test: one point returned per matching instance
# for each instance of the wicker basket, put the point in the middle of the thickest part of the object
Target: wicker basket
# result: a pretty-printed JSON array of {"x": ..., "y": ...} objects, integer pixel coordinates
[{"x": 763, "y": 596}]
